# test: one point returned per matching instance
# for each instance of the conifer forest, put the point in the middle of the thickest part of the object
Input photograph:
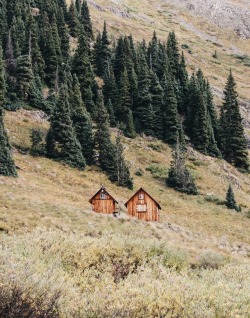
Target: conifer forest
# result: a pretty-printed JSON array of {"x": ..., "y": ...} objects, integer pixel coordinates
[{"x": 140, "y": 88}]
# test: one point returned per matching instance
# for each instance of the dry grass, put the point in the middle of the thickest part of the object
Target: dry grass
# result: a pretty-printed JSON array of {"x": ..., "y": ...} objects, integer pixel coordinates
[
  {"x": 53, "y": 195},
  {"x": 60, "y": 258}
]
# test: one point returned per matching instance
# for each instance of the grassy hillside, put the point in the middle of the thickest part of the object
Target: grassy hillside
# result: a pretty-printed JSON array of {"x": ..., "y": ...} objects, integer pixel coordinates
[{"x": 61, "y": 255}]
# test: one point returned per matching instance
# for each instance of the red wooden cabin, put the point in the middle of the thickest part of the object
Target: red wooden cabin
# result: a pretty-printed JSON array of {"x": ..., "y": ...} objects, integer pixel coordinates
[
  {"x": 142, "y": 206},
  {"x": 103, "y": 202}
]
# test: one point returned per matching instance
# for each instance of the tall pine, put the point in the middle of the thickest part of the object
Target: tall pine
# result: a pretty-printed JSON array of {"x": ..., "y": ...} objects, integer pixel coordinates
[
  {"x": 233, "y": 141},
  {"x": 105, "y": 148},
  {"x": 62, "y": 144},
  {"x": 7, "y": 165}
]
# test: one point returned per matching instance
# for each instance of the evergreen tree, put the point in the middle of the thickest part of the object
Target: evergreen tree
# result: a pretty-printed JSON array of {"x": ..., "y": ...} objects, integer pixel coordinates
[
  {"x": 123, "y": 175},
  {"x": 2, "y": 81},
  {"x": 110, "y": 89},
  {"x": 86, "y": 21},
  {"x": 61, "y": 143},
  {"x": 111, "y": 114},
  {"x": 200, "y": 124},
  {"x": 230, "y": 200},
  {"x": 183, "y": 85},
  {"x": 105, "y": 52},
  {"x": 64, "y": 37},
  {"x": 169, "y": 113},
  {"x": 233, "y": 141},
  {"x": 119, "y": 59},
  {"x": 24, "y": 76},
  {"x": 124, "y": 98},
  {"x": 156, "y": 92},
  {"x": 173, "y": 54},
  {"x": 32, "y": 47},
  {"x": 7, "y": 166},
  {"x": 143, "y": 113},
  {"x": 78, "y": 5},
  {"x": 82, "y": 66},
  {"x": 73, "y": 20},
  {"x": 129, "y": 129},
  {"x": 105, "y": 148},
  {"x": 179, "y": 177},
  {"x": 82, "y": 123},
  {"x": 97, "y": 55},
  {"x": 48, "y": 50}
]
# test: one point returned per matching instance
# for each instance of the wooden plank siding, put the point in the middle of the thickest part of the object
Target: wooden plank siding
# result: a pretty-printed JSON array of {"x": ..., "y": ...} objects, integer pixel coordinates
[
  {"x": 105, "y": 205},
  {"x": 143, "y": 207}
]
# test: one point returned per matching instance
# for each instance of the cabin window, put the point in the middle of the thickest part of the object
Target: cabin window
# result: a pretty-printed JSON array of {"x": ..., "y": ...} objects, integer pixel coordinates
[
  {"x": 141, "y": 196},
  {"x": 103, "y": 196},
  {"x": 141, "y": 208}
]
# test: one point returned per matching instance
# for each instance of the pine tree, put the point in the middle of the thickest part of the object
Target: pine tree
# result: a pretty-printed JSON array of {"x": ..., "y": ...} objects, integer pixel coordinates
[
  {"x": 173, "y": 54},
  {"x": 169, "y": 113},
  {"x": 123, "y": 175},
  {"x": 129, "y": 129},
  {"x": 153, "y": 56},
  {"x": 124, "y": 98},
  {"x": 119, "y": 60},
  {"x": 78, "y": 5},
  {"x": 82, "y": 67},
  {"x": 82, "y": 123},
  {"x": 64, "y": 37},
  {"x": 97, "y": 55},
  {"x": 86, "y": 21},
  {"x": 32, "y": 47},
  {"x": 24, "y": 76},
  {"x": 111, "y": 114},
  {"x": 73, "y": 20},
  {"x": 143, "y": 113},
  {"x": 48, "y": 50},
  {"x": 183, "y": 85},
  {"x": 156, "y": 92},
  {"x": 105, "y": 148},
  {"x": 230, "y": 200},
  {"x": 110, "y": 89},
  {"x": 61, "y": 142},
  {"x": 233, "y": 141},
  {"x": 7, "y": 166},
  {"x": 179, "y": 177}
]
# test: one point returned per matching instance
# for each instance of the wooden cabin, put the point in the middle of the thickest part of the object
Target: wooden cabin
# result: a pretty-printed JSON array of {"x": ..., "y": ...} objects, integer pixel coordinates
[
  {"x": 142, "y": 206},
  {"x": 103, "y": 202}
]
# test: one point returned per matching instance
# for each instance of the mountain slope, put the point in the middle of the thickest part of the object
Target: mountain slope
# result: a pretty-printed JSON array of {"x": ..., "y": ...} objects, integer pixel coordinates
[{"x": 198, "y": 37}]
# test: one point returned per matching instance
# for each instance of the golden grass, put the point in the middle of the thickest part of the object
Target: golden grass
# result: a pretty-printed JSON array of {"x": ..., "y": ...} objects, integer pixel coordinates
[
  {"x": 51, "y": 241},
  {"x": 51, "y": 194}
]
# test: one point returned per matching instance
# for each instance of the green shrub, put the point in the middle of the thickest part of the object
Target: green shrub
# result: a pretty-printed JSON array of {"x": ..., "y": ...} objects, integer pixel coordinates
[
  {"x": 214, "y": 199},
  {"x": 210, "y": 259},
  {"x": 139, "y": 173},
  {"x": 157, "y": 171}
]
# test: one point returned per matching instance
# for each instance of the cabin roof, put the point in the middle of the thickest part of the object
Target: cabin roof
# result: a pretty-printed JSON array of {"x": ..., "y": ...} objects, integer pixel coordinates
[
  {"x": 102, "y": 189},
  {"x": 141, "y": 189}
]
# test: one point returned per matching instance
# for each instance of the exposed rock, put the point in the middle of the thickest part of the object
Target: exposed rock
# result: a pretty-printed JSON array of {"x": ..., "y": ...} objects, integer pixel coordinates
[{"x": 223, "y": 13}]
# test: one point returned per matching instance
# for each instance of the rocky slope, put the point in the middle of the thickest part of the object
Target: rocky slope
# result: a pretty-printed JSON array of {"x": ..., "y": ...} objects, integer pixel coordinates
[{"x": 233, "y": 15}]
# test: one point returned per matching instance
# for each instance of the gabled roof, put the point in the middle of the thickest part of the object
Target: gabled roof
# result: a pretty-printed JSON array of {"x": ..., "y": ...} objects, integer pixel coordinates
[
  {"x": 141, "y": 189},
  {"x": 102, "y": 190}
]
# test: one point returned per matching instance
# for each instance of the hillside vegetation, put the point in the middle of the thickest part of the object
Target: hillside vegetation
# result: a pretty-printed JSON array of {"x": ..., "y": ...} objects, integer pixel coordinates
[
  {"x": 59, "y": 259},
  {"x": 91, "y": 265}
]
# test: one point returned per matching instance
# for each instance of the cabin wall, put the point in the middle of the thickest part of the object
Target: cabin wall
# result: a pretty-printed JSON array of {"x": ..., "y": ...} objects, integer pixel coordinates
[
  {"x": 135, "y": 204},
  {"x": 106, "y": 206}
]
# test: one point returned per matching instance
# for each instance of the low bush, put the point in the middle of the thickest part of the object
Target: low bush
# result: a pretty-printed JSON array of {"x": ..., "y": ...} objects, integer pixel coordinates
[{"x": 210, "y": 259}]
